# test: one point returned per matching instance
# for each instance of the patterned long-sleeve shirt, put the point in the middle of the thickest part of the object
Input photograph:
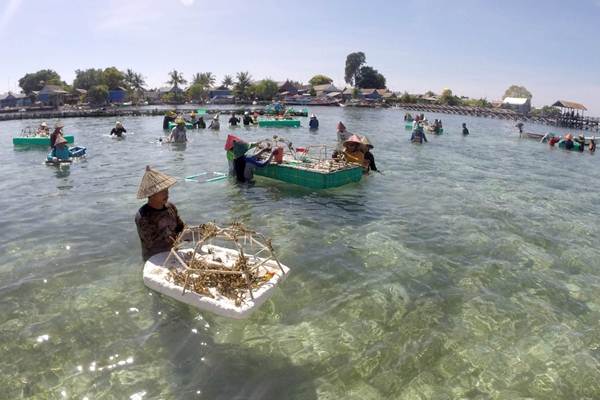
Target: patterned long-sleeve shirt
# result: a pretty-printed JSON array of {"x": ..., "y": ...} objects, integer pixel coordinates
[{"x": 157, "y": 228}]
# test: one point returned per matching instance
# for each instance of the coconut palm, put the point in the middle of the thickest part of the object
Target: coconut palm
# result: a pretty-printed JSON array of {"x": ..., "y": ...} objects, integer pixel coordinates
[
  {"x": 176, "y": 78},
  {"x": 227, "y": 81},
  {"x": 241, "y": 88},
  {"x": 204, "y": 79}
]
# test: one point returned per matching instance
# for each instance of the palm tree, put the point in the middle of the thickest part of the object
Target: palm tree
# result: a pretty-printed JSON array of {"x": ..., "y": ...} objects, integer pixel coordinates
[
  {"x": 227, "y": 81},
  {"x": 135, "y": 83},
  {"x": 176, "y": 78},
  {"x": 242, "y": 85},
  {"x": 204, "y": 79}
]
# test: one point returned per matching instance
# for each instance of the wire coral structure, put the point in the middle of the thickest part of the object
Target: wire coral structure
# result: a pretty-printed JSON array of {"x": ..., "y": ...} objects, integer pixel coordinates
[{"x": 233, "y": 270}]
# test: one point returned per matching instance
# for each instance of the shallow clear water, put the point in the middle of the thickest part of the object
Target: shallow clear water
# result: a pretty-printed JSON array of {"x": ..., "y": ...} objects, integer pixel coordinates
[{"x": 468, "y": 270}]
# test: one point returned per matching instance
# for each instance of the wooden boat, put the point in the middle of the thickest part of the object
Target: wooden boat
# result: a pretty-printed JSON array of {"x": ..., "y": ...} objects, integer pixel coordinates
[
  {"x": 279, "y": 123},
  {"x": 37, "y": 140}
]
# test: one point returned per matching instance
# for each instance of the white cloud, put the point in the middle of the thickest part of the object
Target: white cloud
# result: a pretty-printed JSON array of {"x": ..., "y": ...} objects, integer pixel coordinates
[
  {"x": 9, "y": 11},
  {"x": 187, "y": 3}
]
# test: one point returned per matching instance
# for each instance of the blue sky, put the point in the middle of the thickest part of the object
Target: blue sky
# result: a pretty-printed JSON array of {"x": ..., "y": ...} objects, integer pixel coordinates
[{"x": 476, "y": 48}]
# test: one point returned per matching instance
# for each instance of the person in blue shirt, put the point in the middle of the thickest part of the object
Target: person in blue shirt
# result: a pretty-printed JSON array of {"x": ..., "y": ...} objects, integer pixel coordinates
[
  {"x": 60, "y": 151},
  {"x": 313, "y": 123}
]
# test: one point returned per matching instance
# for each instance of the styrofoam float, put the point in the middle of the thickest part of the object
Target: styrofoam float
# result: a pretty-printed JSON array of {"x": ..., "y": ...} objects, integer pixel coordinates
[{"x": 156, "y": 277}]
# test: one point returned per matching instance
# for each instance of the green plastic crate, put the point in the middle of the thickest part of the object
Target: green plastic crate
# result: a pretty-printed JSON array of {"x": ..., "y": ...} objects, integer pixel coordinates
[
  {"x": 38, "y": 140},
  {"x": 294, "y": 123},
  {"x": 311, "y": 179}
]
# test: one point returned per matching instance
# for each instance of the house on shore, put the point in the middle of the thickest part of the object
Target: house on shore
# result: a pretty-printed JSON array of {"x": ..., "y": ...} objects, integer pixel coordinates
[
  {"x": 221, "y": 95},
  {"x": 519, "y": 104},
  {"x": 324, "y": 90},
  {"x": 12, "y": 100},
  {"x": 117, "y": 95},
  {"x": 52, "y": 95}
]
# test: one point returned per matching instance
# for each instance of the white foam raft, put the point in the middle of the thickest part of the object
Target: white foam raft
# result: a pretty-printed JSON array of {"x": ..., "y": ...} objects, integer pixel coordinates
[{"x": 157, "y": 277}]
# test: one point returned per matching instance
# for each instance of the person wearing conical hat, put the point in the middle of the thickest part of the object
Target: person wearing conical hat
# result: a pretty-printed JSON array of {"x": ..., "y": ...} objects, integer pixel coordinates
[
  {"x": 352, "y": 151},
  {"x": 43, "y": 129},
  {"x": 118, "y": 130},
  {"x": 60, "y": 151},
  {"x": 366, "y": 148},
  {"x": 215, "y": 124},
  {"x": 178, "y": 132},
  {"x": 157, "y": 221},
  {"x": 57, "y": 132},
  {"x": 169, "y": 117}
]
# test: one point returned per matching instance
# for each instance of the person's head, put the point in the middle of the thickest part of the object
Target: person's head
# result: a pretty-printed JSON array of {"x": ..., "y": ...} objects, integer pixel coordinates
[
  {"x": 568, "y": 136},
  {"x": 155, "y": 187},
  {"x": 341, "y": 127},
  {"x": 119, "y": 124},
  {"x": 313, "y": 116},
  {"x": 581, "y": 137},
  {"x": 180, "y": 122},
  {"x": 59, "y": 125},
  {"x": 247, "y": 113},
  {"x": 158, "y": 200},
  {"x": 44, "y": 125},
  {"x": 464, "y": 125}
]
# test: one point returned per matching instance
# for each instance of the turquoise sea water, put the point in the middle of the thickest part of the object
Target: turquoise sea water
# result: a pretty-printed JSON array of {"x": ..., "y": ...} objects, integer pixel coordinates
[{"x": 469, "y": 270}]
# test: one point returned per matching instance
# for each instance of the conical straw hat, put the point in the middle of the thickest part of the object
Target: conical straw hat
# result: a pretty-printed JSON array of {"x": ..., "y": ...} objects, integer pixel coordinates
[{"x": 154, "y": 182}]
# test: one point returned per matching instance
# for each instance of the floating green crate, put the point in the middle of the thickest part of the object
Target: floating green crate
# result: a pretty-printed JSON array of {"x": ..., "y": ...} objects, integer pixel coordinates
[
  {"x": 310, "y": 178},
  {"x": 293, "y": 123},
  {"x": 38, "y": 140}
]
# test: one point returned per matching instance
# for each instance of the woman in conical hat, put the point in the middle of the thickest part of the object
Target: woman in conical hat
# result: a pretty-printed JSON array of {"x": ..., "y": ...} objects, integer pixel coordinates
[
  {"x": 57, "y": 132},
  {"x": 157, "y": 221},
  {"x": 353, "y": 153}
]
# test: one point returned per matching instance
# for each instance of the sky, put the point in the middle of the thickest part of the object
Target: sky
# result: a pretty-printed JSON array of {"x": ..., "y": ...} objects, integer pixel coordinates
[{"x": 477, "y": 48}]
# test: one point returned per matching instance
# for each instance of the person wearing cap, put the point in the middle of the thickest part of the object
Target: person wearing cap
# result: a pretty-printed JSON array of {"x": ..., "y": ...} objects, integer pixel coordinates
[
  {"x": 313, "y": 123},
  {"x": 178, "y": 132},
  {"x": 43, "y": 130},
  {"x": 60, "y": 151},
  {"x": 158, "y": 222},
  {"x": 215, "y": 124},
  {"x": 247, "y": 119},
  {"x": 118, "y": 130},
  {"x": 57, "y": 132},
  {"x": 233, "y": 121},
  {"x": 193, "y": 119}
]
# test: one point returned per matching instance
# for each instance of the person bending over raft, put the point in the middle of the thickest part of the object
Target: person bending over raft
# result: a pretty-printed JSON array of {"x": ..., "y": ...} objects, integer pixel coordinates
[
  {"x": 60, "y": 151},
  {"x": 465, "y": 131},
  {"x": 157, "y": 221},
  {"x": 169, "y": 117},
  {"x": 313, "y": 123},
  {"x": 215, "y": 124},
  {"x": 57, "y": 132},
  {"x": 118, "y": 130},
  {"x": 353, "y": 153},
  {"x": 178, "y": 133},
  {"x": 253, "y": 162},
  {"x": 233, "y": 121},
  {"x": 418, "y": 134},
  {"x": 234, "y": 152},
  {"x": 367, "y": 146}
]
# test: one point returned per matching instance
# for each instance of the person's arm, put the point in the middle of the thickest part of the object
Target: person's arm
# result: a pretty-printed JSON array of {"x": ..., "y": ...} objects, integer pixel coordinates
[{"x": 112, "y": 132}]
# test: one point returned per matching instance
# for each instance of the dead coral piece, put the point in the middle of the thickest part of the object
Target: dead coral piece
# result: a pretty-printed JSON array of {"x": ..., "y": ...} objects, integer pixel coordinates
[{"x": 199, "y": 268}]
